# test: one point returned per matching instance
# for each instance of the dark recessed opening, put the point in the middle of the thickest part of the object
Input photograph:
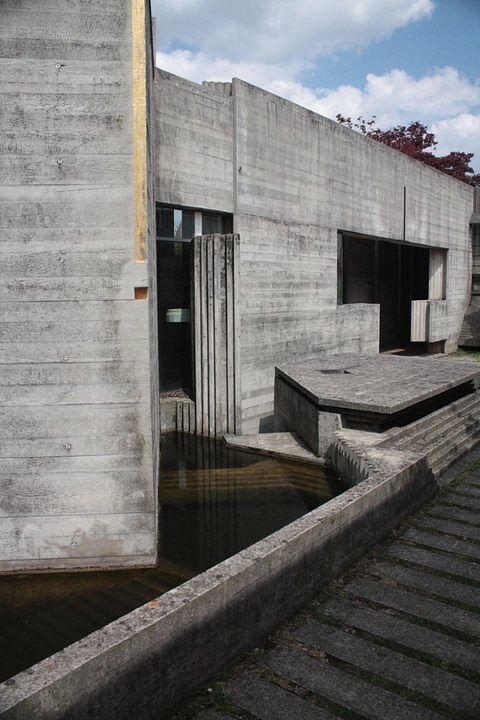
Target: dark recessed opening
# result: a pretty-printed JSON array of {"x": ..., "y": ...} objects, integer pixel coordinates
[{"x": 335, "y": 371}]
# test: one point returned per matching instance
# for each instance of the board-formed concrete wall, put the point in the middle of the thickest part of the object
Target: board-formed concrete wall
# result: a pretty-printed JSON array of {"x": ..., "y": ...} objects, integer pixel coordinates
[
  {"x": 296, "y": 180},
  {"x": 194, "y": 144},
  {"x": 77, "y": 477}
]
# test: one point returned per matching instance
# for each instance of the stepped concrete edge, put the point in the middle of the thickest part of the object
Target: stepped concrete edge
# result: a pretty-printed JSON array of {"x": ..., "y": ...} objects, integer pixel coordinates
[{"x": 150, "y": 660}]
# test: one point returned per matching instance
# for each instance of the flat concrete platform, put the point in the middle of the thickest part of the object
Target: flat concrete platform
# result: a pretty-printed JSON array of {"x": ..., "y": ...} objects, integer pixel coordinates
[
  {"x": 385, "y": 384},
  {"x": 282, "y": 444}
]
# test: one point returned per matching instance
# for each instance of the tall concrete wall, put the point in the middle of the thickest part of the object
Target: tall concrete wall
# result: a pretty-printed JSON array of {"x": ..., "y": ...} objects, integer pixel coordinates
[
  {"x": 77, "y": 476},
  {"x": 194, "y": 144},
  {"x": 296, "y": 180}
]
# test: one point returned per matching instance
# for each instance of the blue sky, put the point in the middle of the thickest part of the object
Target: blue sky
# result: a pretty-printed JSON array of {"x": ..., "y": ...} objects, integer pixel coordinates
[{"x": 401, "y": 60}]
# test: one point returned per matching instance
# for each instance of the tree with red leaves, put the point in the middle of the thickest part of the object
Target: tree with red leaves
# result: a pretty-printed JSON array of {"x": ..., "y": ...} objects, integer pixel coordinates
[{"x": 416, "y": 141}]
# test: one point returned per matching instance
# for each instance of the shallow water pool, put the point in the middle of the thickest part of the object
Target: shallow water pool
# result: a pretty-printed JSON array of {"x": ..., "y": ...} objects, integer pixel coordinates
[{"x": 213, "y": 502}]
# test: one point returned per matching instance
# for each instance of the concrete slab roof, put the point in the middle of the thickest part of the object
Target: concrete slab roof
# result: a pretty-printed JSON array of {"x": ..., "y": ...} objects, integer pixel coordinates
[{"x": 376, "y": 383}]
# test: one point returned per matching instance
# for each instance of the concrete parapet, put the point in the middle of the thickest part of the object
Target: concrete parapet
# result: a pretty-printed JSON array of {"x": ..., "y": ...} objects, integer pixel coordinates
[{"x": 147, "y": 662}]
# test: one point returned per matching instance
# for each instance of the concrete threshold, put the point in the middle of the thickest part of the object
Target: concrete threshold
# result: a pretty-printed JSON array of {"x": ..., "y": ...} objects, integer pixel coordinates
[{"x": 148, "y": 662}]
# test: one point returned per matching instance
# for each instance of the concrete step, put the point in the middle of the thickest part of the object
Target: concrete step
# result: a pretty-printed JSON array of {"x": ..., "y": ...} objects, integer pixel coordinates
[
  {"x": 416, "y": 605},
  {"x": 438, "y": 416},
  {"x": 431, "y": 427},
  {"x": 463, "y": 569},
  {"x": 353, "y": 694},
  {"x": 435, "y": 541},
  {"x": 457, "y": 514},
  {"x": 469, "y": 404},
  {"x": 371, "y": 657},
  {"x": 446, "y": 427},
  {"x": 451, "y": 527},
  {"x": 453, "y": 437},
  {"x": 429, "y": 584},
  {"x": 442, "y": 462},
  {"x": 449, "y": 456},
  {"x": 381, "y": 623},
  {"x": 451, "y": 444}
]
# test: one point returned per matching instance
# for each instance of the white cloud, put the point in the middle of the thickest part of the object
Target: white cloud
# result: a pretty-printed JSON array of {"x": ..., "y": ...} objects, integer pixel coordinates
[
  {"x": 393, "y": 97},
  {"x": 269, "y": 42},
  {"x": 459, "y": 133},
  {"x": 199, "y": 66},
  {"x": 271, "y": 31},
  {"x": 398, "y": 97}
]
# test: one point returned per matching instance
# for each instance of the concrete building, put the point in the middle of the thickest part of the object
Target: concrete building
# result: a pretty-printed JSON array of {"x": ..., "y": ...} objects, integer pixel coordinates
[
  {"x": 309, "y": 239},
  {"x": 345, "y": 244}
]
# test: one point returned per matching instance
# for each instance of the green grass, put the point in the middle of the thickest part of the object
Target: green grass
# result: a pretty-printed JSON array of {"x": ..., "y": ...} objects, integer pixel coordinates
[{"x": 466, "y": 355}]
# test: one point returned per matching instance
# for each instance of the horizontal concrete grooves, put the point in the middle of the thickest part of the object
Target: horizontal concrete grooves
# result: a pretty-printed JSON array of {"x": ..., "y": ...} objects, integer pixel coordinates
[
  {"x": 400, "y": 639},
  {"x": 436, "y": 560},
  {"x": 461, "y": 530},
  {"x": 271, "y": 702},
  {"x": 146, "y": 662},
  {"x": 454, "y": 498},
  {"x": 427, "y": 583},
  {"x": 469, "y": 492},
  {"x": 450, "y": 512},
  {"x": 443, "y": 542},
  {"x": 344, "y": 688},
  {"x": 368, "y": 655},
  {"x": 420, "y": 428},
  {"x": 444, "y": 435},
  {"x": 398, "y": 632},
  {"x": 433, "y": 611}
]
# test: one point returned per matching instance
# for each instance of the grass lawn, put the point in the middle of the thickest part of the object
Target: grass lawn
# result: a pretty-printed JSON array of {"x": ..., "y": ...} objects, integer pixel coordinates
[{"x": 466, "y": 355}]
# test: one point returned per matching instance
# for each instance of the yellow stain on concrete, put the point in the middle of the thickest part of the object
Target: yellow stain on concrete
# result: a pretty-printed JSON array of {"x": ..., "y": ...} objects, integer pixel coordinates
[{"x": 139, "y": 93}]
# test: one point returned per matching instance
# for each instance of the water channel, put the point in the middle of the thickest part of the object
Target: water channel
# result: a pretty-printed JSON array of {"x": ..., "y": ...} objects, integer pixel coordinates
[{"x": 213, "y": 503}]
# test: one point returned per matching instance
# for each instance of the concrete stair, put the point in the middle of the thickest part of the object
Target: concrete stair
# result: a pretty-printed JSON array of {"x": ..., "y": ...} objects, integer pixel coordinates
[{"x": 444, "y": 435}]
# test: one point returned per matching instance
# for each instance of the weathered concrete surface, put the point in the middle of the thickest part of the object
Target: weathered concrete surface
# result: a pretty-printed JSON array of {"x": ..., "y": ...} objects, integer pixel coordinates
[
  {"x": 443, "y": 436},
  {"x": 294, "y": 410},
  {"x": 398, "y": 637},
  {"x": 216, "y": 330},
  {"x": 470, "y": 333},
  {"x": 383, "y": 383},
  {"x": 315, "y": 398},
  {"x": 279, "y": 444},
  {"x": 77, "y": 467},
  {"x": 293, "y": 179},
  {"x": 194, "y": 143},
  {"x": 145, "y": 663}
]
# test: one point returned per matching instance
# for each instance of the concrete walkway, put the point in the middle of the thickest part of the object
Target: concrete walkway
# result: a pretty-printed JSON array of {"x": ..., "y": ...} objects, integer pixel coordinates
[{"x": 398, "y": 638}]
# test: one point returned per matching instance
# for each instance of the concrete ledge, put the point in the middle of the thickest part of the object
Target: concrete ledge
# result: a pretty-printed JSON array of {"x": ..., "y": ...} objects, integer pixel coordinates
[
  {"x": 282, "y": 445},
  {"x": 149, "y": 661}
]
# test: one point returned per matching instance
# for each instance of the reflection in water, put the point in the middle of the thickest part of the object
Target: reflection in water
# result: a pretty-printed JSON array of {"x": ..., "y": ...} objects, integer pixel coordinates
[{"x": 215, "y": 501}]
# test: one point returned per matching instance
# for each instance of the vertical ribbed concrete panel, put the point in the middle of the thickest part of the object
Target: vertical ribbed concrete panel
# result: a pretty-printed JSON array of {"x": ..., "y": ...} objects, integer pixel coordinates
[
  {"x": 436, "y": 281},
  {"x": 215, "y": 260}
]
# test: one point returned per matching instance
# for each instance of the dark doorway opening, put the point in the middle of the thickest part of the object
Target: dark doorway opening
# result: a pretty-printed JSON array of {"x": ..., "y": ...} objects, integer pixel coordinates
[
  {"x": 176, "y": 227},
  {"x": 389, "y": 274}
]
